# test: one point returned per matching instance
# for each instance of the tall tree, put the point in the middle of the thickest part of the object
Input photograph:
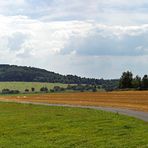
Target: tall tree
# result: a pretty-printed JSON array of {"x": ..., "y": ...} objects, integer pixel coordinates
[
  {"x": 126, "y": 80},
  {"x": 136, "y": 83},
  {"x": 145, "y": 82}
]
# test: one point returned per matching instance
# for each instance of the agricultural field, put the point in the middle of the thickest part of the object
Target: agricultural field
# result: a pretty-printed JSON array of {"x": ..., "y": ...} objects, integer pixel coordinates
[
  {"x": 136, "y": 100},
  {"x": 42, "y": 126},
  {"x": 21, "y": 86}
]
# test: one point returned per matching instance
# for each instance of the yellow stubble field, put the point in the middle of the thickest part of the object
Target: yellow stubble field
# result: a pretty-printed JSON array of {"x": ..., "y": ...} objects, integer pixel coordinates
[{"x": 136, "y": 100}]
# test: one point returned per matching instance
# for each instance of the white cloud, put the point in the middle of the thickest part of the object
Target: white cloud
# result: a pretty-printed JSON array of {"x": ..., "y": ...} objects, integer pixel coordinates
[
  {"x": 95, "y": 38},
  {"x": 121, "y": 12}
]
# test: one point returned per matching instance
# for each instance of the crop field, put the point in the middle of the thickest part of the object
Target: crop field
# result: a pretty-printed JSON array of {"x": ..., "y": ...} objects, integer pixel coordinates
[
  {"x": 137, "y": 100},
  {"x": 21, "y": 86},
  {"x": 29, "y": 126}
]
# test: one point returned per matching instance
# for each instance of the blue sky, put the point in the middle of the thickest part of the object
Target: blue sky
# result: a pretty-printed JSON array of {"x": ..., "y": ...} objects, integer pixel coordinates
[{"x": 91, "y": 38}]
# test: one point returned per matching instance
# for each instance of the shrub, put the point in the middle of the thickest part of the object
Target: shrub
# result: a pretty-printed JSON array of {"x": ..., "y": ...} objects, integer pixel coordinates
[
  {"x": 7, "y": 91},
  {"x": 58, "y": 89},
  {"x": 14, "y": 91},
  {"x": 26, "y": 90},
  {"x": 51, "y": 90},
  {"x": 32, "y": 89},
  {"x": 44, "y": 89},
  {"x": 94, "y": 89}
]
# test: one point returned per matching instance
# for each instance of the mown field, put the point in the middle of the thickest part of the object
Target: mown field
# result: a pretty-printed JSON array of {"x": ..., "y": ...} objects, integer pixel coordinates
[
  {"x": 21, "y": 86},
  {"x": 137, "y": 100},
  {"x": 29, "y": 126}
]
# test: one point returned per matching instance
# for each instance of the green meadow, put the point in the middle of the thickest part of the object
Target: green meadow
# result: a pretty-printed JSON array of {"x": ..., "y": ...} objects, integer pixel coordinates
[
  {"x": 36, "y": 126},
  {"x": 21, "y": 86}
]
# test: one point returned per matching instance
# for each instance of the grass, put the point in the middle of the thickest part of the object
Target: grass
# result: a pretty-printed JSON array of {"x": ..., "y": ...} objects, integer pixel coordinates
[
  {"x": 21, "y": 86},
  {"x": 36, "y": 126}
]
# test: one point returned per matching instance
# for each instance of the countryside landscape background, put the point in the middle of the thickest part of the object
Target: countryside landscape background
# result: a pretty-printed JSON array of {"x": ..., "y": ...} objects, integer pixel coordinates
[
  {"x": 73, "y": 74},
  {"x": 37, "y": 88}
]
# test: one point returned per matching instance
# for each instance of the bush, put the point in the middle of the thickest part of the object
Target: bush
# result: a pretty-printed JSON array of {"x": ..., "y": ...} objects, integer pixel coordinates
[
  {"x": 44, "y": 89},
  {"x": 7, "y": 91},
  {"x": 32, "y": 89},
  {"x": 14, "y": 91},
  {"x": 58, "y": 89},
  {"x": 26, "y": 90},
  {"x": 51, "y": 90},
  {"x": 94, "y": 89}
]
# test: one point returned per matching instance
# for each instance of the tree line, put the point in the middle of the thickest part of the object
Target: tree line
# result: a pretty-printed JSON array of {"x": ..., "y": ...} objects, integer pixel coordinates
[
  {"x": 44, "y": 89},
  {"x": 31, "y": 74},
  {"x": 127, "y": 81}
]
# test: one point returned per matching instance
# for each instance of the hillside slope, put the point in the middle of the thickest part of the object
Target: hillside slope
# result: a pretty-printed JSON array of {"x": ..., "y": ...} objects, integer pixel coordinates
[{"x": 31, "y": 74}]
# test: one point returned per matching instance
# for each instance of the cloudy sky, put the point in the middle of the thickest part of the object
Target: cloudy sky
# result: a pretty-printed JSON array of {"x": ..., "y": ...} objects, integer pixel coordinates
[{"x": 91, "y": 38}]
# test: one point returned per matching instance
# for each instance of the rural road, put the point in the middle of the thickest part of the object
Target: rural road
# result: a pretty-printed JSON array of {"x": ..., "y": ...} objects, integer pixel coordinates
[{"x": 137, "y": 114}]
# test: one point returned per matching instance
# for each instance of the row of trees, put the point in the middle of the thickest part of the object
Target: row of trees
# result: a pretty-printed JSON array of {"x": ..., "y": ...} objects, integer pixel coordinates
[
  {"x": 78, "y": 87},
  {"x": 9, "y": 91},
  {"x": 128, "y": 81}
]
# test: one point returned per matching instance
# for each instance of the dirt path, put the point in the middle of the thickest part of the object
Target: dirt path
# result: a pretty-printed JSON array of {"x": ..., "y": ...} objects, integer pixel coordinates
[{"x": 137, "y": 114}]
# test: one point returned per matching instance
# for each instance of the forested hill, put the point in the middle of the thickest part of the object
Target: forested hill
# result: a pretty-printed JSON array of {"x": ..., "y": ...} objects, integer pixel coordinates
[{"x": 30, "y": 74}]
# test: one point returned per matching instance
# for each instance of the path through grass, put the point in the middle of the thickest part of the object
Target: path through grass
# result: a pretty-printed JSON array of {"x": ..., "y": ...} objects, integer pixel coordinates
[{"x": 35, "y": 126}]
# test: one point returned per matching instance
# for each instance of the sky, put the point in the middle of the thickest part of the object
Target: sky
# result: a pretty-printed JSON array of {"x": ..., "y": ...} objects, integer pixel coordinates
[{"x": 88, "y": 38}]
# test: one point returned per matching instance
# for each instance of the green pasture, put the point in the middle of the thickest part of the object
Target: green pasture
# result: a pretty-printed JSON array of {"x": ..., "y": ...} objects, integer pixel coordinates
[
  {"x": 21, "y": 86},
  {"x": 36, "y": 126}
]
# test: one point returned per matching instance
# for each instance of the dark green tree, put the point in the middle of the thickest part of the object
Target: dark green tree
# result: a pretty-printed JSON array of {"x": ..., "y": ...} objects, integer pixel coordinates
[
  {"x": 26, "y": 90},
  {"x": 94, "y": 89},
  {"x": 136, "y": 83},
  {"x": 126, "y": 80},
  {"x": 145, "y": 82},
  {"x": 32, "y": 89},
  {"x": 44, "y": 89}
]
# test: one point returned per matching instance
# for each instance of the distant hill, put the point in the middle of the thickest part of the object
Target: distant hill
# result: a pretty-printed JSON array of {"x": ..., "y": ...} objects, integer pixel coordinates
[{"x": 31, "y": 74}]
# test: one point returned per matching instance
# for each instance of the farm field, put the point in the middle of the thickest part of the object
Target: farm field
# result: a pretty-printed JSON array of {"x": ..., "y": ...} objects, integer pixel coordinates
[
  {"x": 42, "y": 126},
  {"x": 21, "y": 86},
  {"x": 136, "y": 100}
]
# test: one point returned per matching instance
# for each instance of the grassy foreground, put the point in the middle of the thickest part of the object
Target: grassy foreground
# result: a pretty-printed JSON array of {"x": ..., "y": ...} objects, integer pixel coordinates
[
  {"x": 21, "y": 86},
  {"x": 35, "y": 126}
]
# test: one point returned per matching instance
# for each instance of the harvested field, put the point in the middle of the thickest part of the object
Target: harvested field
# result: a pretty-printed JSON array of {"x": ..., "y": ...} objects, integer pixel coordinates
[{"x": 136, "y": 100}]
